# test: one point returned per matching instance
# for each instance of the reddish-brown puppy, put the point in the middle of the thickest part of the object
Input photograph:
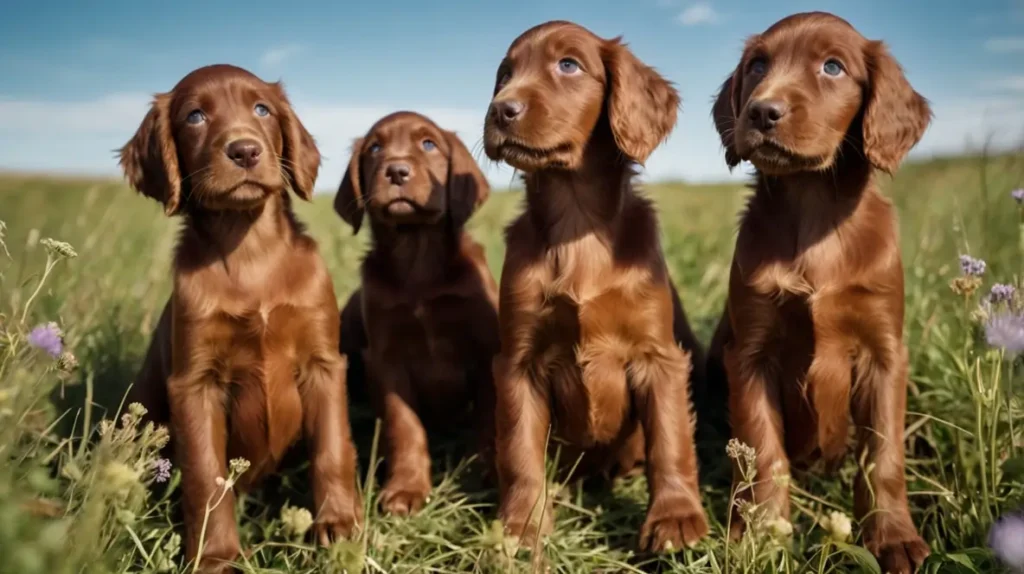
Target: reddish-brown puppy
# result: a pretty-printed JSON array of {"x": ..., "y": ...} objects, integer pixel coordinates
[
  {"x": 813, "y": 327},
  {"x": 245, "y": 357},
  {"x": 590, "y": 322},
  {"x": 427, "y": 303}
]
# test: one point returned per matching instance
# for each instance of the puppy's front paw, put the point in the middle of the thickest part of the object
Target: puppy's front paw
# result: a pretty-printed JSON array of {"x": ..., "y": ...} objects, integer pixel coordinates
[
  {"x": 525, "y": 525},
  {"x": 672, "y": 525},
  {"x": 404, "y": 496},
  {"x": 337, "y": 520},
  {"x": 903, "y": 557}
]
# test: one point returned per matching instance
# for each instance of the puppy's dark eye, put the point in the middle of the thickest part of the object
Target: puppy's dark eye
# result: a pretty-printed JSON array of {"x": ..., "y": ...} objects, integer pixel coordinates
[
  {"x": 374, "y": 148},
  {"x": 261, "y": 110},
  {"x": 503, "y": 79},
  {"x": 832, "y": 67},
  {"x": 196, "y": 117},
  {"x": 758, "y": 66},
  {"x": 568, "y": 66},
  {"x": 429, "y": 145}
]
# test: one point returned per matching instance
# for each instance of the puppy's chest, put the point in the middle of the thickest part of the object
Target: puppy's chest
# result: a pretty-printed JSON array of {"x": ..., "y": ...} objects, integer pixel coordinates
[
  {"x": 428, "y": 338},
  {"x": 248, "y": 335},
  {"x": 805, "y": 276},
  {"x": 579, "y": 270},
  {"x": 591, "y": 306}
]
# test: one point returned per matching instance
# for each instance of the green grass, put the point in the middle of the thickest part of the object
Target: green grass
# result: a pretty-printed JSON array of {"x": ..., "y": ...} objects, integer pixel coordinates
[{"x": 68, "y": 505}]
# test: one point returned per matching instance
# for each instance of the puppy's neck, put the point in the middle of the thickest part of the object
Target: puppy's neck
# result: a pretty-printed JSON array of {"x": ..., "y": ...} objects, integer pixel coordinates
[
  {"x": 835, "y": 190},
  {"x": 568, "y": 204},
  {"x": 227, "y": 236},
  {"x": 413, "y": 257}
]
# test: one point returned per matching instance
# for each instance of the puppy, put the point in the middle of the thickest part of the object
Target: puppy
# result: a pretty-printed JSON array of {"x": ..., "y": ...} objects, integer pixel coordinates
[
  {"x": 427, "y": 304},
  {"x": 245, "y": 357},
  {"x": 813, "y": 326},
  {"x": 591, "y": 325}
]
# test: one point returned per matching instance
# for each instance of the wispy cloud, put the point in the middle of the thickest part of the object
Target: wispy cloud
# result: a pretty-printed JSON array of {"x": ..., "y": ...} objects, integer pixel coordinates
[
  {"x": 1005, "y": 45},
  {"x": 699, "y": 13},
  {"x": 968, "y": 124},
  {"x": 277, "y": 55},
  {"x": 1011, "y": 83},
  {"x": 118, "y": 113}
]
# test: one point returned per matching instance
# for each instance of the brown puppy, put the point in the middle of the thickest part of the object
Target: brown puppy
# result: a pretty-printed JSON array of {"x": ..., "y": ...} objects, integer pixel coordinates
[
  {"x": 428, "y": 303},
  {"x": 590, "y": 321},
  {"x": 245, "y": 356},
  {"x": 813, "y": 327}
]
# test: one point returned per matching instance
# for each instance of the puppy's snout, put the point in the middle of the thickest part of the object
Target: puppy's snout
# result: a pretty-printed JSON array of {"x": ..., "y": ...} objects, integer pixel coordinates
[
  {"x": 244, "y": 152},
  {"x": 765, "y": 114},
  {"x": 507, "y": 111},
  {"x": 398, "y": 173}
]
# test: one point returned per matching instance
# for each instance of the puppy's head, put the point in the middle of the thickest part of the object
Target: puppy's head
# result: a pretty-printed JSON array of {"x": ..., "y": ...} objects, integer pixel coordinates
[
  {"x": 556, "y": 82},
  {"x": 408, "y": 171},
  {"x": 221, "y": 139},
  {"x": 807, "y": 86}
]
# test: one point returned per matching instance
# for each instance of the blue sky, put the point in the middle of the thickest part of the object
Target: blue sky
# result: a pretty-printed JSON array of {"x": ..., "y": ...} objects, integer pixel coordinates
[{"x": 77, "y": 76}]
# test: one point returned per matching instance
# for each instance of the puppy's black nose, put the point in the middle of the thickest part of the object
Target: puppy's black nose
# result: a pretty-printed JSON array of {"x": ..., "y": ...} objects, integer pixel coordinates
[
  {"x": 245, "y": 153},
  {"x": 507, "y": 111},
  {"x": 398, "y": 173},
  {"x": 764, "y": 114}
]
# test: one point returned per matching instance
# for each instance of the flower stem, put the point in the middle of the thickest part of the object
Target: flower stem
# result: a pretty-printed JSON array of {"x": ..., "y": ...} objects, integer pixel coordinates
[
  {"x": 1009, "y": 405},
  {"x": 46, "y": 273}
]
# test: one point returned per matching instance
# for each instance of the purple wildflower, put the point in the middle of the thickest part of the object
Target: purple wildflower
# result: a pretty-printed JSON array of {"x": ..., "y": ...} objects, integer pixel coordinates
[
  {"x": 971, "y": 266},
  {"x": 161, "y": 470},
  {"x": 1018, "y": 195},
  {"x": 1001, "y": 293},
  {"x": 1006, "y": 538},
  {"x": 1006, "y": 331},
  {"x": 48, "y": 338}
]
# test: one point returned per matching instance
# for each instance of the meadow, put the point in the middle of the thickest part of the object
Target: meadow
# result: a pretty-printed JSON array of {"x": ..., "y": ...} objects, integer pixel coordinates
[{"x": 79, "y": 494}]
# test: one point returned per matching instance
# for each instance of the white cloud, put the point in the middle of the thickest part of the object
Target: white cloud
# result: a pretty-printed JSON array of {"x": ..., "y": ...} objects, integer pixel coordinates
[
  {"x": 1005, "y": 45},
  {"x": 968, "y": 124},
  {"x": 699, "y": 13},
  {"x": 81, "y": 136},
  {"x": 113, "y": 113},
  {"x": 275, "y": 56},
  {"x": 1004, "y": 84}
]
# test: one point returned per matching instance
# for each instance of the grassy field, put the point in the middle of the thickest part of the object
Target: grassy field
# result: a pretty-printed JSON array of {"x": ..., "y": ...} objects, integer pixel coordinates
[{"x": 68, "y": 505}]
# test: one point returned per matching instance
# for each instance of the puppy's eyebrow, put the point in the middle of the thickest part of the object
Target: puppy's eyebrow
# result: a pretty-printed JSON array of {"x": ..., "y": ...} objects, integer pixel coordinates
[{"x": 423, "y": 132}]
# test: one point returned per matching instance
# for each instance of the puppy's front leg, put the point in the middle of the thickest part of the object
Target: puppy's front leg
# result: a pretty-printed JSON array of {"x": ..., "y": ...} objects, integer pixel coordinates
[
  {"x": 522, "y": 417},
  {"x": 329, "y": 434},
  {"x": 408, "y": 456},
  {"x": 198, "y": 423},
  {"x": 880, "y": 492},
  {"x": 675, "y": 516}
]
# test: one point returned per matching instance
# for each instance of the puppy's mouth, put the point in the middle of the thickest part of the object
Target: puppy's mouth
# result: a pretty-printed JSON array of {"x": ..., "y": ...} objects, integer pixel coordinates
[
  {"x": 773, "y": 157},
  {"x": 246, "y": 194},
  {"x": 402, "y": 211},
  {"x": 402, "y": 207},
  {"x": 523, "y": 156}
]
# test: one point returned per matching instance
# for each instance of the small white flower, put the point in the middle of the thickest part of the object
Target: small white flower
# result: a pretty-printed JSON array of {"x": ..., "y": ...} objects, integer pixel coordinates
[
  {"x": 780, "y": 528},
  {"x": 59, "y": 248},
  {"x": 296, "y": 521},
  {"x": 837, "y": 525}
]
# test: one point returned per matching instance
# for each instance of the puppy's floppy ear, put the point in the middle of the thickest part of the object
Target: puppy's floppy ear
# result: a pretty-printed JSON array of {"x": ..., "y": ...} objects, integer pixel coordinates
[
  {"x": 642, "y": 105},
  {"x": 724, "y": 113},
  {"x": 301, "y": 156},
  {"x": 467, "y": 187},
  {"x": 349, "y": 200},
  {"x": 150, "y": 159},
  {"x": 895, "y": 116}
]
